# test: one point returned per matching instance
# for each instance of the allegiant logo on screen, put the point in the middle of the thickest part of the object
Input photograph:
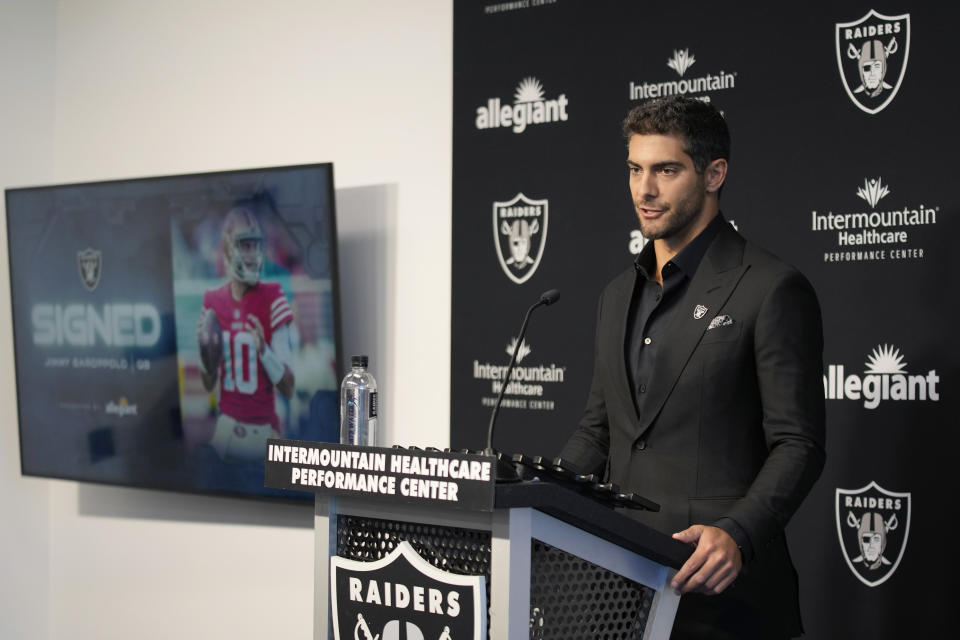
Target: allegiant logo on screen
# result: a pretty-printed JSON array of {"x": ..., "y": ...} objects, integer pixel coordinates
[
  {"x": 529, "y": 108},
  {"x": 885, "y": 378}
]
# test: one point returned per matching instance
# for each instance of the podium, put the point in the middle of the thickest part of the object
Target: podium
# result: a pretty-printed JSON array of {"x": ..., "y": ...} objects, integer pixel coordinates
[{"x": 557, "y": 564}]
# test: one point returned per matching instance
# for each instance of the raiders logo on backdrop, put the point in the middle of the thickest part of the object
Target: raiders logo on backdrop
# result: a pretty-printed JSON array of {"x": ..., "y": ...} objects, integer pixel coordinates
[
  {"x": 872, "y": 57},
  {"x": 404, "y": 597},
  {"x": 89, "y": 262},
  {"x": 873, "y": 525},
  {"x": 520, "y": 235}
]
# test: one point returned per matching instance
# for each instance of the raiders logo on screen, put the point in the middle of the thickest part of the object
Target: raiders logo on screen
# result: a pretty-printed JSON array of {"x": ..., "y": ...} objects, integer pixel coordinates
[
  {"x": 520, "y": 235},
  {"x": 89, "y": 262},
  {"x": 872, "y": 57},
  {"x": 404, "y": 597},
  {"x": 873, "y": 525}
]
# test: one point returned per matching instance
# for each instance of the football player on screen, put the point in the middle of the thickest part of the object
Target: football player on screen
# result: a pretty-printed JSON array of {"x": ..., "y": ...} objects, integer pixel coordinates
[{"x": 245, "y": 340}]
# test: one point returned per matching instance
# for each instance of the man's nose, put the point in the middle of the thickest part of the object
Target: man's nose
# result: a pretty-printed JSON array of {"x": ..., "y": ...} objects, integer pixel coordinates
[{"x": 648, "y": 186}]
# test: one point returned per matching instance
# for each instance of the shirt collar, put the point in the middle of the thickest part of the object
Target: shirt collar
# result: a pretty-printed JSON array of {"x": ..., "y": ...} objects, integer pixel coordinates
[{"x": 689, "y": 258}]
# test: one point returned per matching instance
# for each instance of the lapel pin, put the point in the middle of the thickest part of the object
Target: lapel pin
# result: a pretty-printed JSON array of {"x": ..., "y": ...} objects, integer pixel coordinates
[{"x": 699, "y": 311}]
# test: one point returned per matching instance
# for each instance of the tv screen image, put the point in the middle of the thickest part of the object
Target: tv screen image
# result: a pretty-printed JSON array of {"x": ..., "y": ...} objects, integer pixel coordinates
[{"x": 164, "y": 328}]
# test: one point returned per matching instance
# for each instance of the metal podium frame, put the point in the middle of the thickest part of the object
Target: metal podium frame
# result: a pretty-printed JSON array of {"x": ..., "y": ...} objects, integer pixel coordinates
[{"x": 551, "y": 514}]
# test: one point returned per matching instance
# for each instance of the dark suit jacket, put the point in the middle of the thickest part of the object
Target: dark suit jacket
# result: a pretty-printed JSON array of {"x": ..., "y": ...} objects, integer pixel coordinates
[{"x": 735, "y": 425}]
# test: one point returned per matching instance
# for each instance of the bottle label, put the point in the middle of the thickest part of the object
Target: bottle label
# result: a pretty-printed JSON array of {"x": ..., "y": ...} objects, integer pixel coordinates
[{"x": 373, "y": 405}]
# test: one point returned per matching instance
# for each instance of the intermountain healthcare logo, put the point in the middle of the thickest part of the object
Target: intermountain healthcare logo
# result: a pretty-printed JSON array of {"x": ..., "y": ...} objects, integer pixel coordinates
[
  {"x": 531, "y": 382},
  {"x": 681, "y": 61},
  {"x": 522, "y": 351},
  {"x": 885, "y": 378},
  {"x": 529, "y": 107},
  {"x": 875, "y": 234},
  {"x": 404, "y": 596},
  {"x": 519, "y": 232},
  {"x": 873, "y": 525},
  {"x": 872, "y": 55}
]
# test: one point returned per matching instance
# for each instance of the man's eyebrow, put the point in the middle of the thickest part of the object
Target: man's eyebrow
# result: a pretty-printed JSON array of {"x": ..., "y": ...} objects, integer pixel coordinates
[{"x": 659, "y": 165}]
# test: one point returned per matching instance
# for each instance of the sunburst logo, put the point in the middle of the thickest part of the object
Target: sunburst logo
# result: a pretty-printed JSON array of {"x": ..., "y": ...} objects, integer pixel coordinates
[
  {"x": 529, "y": 90},
  {"x": 885, "y": 377},
  {"x": 681, "y": 60},
  {"x": 530, "y": 106},
  {"x": 885, "y": 359},
  {"x": 522, "y": 352},
  {"x": 873, "y": 191}
]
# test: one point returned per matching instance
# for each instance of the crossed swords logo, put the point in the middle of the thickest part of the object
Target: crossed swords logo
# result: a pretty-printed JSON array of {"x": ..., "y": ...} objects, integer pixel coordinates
[{"x": 362, "y": 631}]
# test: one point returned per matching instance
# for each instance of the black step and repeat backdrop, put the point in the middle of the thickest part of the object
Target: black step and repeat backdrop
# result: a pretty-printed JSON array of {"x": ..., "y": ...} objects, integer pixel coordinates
[{"x": 845, "y": 122}]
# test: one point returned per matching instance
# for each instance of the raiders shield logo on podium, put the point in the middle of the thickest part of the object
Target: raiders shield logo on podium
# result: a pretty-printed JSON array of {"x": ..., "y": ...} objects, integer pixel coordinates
[{"x": 403, "y": 597}]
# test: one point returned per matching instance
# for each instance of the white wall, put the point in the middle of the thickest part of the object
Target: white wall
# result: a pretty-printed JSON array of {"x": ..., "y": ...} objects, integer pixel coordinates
[
  {"x": 26, "y": 155},
  {"x": 133, "y": 88}
]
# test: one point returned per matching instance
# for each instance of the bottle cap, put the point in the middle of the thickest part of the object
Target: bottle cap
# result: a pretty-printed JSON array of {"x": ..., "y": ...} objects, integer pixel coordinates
[{"x": 359, "y": 361}]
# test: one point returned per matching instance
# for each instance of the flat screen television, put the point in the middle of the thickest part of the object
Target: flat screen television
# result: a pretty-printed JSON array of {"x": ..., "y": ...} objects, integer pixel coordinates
[{"x": 165, "y": 327}]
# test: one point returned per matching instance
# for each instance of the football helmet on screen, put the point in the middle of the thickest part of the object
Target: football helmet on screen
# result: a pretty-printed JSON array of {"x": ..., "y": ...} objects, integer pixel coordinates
[{"x": 242, "y": 246}]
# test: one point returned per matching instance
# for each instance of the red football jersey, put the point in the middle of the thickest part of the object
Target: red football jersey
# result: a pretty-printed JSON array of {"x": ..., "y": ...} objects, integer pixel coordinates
[{"x": 246, "y": 393}]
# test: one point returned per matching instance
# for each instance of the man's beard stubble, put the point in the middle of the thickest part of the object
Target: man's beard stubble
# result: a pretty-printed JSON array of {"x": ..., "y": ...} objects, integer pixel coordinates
[{"x": 679, "y": 219}]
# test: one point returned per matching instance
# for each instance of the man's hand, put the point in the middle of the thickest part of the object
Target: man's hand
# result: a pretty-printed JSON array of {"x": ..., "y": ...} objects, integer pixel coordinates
[
  {"x": 259, "y": 338},
  {"x": 714, "y": 565}
]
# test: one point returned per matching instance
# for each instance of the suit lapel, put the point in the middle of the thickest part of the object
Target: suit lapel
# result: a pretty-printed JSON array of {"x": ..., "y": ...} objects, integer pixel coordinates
[
  {"x": 620, "y": 315},
  {"x": 716, "y": 278}
]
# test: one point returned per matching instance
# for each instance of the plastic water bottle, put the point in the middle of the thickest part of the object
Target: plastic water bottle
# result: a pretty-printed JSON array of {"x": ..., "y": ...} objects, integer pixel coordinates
[{"x": 358, "y": 405}]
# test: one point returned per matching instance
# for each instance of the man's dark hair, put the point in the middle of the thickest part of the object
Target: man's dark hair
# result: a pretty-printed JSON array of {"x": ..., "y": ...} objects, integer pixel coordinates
[{"x": 703, "y": 129}]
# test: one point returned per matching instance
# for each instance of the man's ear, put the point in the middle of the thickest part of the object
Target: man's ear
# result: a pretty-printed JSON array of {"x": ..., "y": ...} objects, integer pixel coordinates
[{"x": 715, "y": 174}]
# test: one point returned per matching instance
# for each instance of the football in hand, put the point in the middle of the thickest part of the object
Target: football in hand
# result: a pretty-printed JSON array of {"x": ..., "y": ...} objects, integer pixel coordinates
[{"x": 209, "y": 341}]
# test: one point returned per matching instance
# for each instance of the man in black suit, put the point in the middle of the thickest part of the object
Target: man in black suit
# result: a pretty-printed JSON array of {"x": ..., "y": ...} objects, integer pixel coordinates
[{"x": 707, "y": 392}]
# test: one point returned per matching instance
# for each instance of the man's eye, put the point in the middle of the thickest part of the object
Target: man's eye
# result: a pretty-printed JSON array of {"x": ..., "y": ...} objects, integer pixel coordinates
[{"x": 668, "y": 171}]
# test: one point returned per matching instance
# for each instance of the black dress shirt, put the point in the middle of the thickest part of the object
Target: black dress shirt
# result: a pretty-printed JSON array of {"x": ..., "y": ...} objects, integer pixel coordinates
[
  {"x": 651, "y": 312},
  {"x": 653, "y": 306}
]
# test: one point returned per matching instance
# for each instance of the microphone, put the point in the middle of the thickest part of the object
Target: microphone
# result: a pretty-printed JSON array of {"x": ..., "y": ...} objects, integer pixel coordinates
[{"x": 546, "y": 299}]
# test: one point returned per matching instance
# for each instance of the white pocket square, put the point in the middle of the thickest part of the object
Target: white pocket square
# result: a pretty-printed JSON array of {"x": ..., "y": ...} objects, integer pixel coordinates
[{"x": 720, "y": 321}]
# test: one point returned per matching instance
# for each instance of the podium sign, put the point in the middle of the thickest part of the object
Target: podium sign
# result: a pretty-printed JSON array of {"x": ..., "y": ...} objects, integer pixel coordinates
[
  {"x": 404, "y": 594},
  {"x": 454, "y": 480},
  {"x": 422, "y": 545}
]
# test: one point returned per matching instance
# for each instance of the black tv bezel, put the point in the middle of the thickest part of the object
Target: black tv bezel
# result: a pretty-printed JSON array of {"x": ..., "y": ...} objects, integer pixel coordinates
[{"x": 303, "y": 499}]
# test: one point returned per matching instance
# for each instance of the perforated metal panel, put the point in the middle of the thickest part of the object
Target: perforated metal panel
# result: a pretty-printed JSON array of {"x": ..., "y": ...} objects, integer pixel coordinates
[
  {"x": 461, "y": 551},
  {"x": 572, "y": 599}
]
